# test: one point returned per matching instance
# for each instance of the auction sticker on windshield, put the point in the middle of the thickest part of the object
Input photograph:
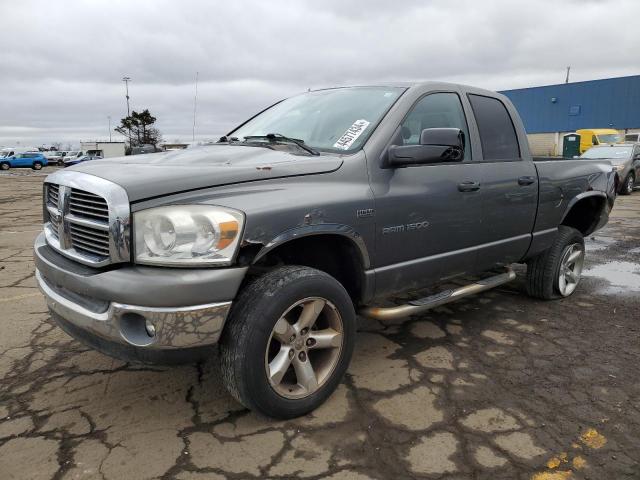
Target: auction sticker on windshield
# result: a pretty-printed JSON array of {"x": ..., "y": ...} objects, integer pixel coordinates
[{"x": 351, "y": 135}]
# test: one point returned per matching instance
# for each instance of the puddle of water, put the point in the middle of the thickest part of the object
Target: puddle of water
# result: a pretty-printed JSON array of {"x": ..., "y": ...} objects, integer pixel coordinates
[
  {"x": 595, "y": 244},
  {"x": 623, "y": 277}
]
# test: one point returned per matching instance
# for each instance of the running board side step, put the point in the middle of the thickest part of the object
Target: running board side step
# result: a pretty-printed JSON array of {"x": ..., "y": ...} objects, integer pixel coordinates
[{"x": 423, "y": 304}]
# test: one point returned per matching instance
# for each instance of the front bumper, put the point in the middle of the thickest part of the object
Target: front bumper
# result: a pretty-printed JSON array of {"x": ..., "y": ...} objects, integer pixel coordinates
[{"x": 163, "y": 325}]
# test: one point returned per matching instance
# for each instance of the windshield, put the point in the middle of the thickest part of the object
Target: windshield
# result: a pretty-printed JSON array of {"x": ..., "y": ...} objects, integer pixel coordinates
[
  {"x": 608, "y": 152},
  {"x": 610, "y": 138},
  {"x": 335, "y": 120}
]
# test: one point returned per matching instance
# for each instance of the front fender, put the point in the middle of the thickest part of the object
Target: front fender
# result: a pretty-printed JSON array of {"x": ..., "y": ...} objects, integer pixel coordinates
[{"x": 314, "y": 230}]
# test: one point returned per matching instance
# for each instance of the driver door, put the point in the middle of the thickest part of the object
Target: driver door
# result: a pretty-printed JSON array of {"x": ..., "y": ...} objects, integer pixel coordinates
[{"x": 428, "y": 217}]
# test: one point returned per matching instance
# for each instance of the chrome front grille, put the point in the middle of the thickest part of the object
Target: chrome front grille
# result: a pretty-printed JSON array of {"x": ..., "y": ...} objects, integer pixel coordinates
[
  {"x": 90, "y": 240},
  {"x": 89, "y": 224},
  {"x": 52, "y": 195},
  {"x": 88, "y": 205}
]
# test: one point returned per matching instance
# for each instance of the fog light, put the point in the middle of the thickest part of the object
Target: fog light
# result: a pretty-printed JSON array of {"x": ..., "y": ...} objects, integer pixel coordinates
[{"x": 150, "y": 328}]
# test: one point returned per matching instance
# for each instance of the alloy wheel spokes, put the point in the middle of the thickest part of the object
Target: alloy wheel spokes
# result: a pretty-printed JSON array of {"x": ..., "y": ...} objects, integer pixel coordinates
[
  {"x": 310, "y": 313},
  {"x": 280, "y": 364},
  {"x": 577, "y": 253},
  {"x": 570, "y": 269},
  {"x": 305, "y": 374},
  {"x": 284, "y": 331},
  {"x": 327, "y": 338},
  {"x": 304, "y": 347}
]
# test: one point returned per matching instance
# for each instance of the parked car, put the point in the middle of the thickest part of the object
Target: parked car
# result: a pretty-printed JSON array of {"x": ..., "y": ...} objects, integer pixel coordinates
[
  {"x": 32, "y": 160},
  {"x": 12, "y": 151},
  {"x": 270, "y": 241},
  {"x": 632, "y": 137},
  {"x": 625, "y": 159},
  {"x": 73, "y": 154},
  {"x": 54, "y": 157},
  {"x": 597, "y": 136},
  {"x": 68, "y": 162}
]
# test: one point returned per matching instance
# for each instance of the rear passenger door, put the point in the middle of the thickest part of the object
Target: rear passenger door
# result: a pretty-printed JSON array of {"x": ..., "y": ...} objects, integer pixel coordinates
[{"x": 509, "y": 185}]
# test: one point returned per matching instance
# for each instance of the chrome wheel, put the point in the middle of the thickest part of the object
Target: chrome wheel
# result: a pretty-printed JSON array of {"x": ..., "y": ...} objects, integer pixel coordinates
[
  {"x": 304, "y": 347},
  {"x": 630, "y": 182},
  {"x": 570, "y": 268}
]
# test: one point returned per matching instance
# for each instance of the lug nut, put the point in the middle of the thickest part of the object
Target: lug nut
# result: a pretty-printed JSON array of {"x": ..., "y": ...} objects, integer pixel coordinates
[
  {"x": 293, "y": 337},
  {"x": 310, "y": 342},
  {"x": 304, "y": 331},
  {"x": 291, "y": 353},
  {"x": 302, "y": 356}
]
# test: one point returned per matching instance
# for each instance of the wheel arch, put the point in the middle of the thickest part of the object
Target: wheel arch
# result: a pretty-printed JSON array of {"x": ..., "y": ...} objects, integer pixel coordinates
[
  {"x": 585, "y": 212},
  {"x": 336, "y": 249}
]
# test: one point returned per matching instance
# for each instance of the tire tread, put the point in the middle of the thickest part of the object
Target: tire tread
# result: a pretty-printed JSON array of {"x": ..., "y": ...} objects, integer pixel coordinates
[
  {"x": 542, "y": 269},
  {"x": 237, "y": 328}
]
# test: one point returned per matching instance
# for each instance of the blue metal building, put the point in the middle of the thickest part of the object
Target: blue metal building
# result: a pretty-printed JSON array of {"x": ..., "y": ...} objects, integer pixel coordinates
[{"x": 609, "y": 103}]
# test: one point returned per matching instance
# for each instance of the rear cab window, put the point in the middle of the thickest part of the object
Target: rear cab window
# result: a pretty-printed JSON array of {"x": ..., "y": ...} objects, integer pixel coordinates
[{"x": 497, "y": 132}]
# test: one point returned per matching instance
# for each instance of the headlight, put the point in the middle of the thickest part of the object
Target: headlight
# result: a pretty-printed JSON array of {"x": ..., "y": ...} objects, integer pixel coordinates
[
  {"x": 618, "y": 168},
  {"x": 187, "y": 235}
]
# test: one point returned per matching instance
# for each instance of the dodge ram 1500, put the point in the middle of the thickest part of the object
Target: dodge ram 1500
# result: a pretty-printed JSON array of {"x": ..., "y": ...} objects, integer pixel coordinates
[{"x": 268, "y": 242}]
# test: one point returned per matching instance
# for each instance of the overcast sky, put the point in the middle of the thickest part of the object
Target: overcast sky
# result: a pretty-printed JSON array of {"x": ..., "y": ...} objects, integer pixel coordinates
[{"x": 61, "y": 62}]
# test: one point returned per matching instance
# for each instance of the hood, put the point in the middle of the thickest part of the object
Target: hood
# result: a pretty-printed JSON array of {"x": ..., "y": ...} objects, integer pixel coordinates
[{"x": 157, "y": 174}]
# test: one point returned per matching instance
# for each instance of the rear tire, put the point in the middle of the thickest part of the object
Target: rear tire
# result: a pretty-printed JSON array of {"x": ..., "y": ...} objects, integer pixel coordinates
[
  {"x": 5, "y": 166},
  {"x": 37, "y": 165},
  {"x": 555, "y": 273},
  {"x": 627, "y": 185},
  {"x": 269, "y": 363}
]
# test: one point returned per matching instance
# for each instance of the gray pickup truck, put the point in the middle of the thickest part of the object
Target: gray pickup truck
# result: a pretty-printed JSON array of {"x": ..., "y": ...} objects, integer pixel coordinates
[{"x": 322, "y": 205}]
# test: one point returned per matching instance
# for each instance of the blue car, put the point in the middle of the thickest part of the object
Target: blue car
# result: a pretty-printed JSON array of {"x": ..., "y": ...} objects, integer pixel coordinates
[
  {"x": 32, "y": 160},
  {"x": 83, "y": 158}
]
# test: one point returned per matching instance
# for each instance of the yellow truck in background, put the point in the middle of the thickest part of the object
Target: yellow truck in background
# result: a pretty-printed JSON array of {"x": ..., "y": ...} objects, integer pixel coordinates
[{"x": 598, "y": 136}]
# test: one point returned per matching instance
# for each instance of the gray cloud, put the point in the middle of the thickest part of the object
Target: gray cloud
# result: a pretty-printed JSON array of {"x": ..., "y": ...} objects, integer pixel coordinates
[{"x": 61, "y": 62}]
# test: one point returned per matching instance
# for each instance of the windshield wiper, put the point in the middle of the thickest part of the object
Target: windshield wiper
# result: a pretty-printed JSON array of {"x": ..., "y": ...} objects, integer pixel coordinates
[{"x": 272, "y": 137}]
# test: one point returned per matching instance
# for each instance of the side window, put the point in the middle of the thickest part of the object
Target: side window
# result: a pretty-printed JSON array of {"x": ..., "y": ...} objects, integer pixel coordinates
[
  {"x": 437, "y": 110},
  {"x": 497, "y": 133}
]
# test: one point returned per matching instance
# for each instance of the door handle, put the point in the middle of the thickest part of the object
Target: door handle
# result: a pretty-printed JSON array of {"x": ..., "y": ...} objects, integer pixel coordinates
[
  {"x": 469, "y": 186},
  {"x": 526, "y": 180}
]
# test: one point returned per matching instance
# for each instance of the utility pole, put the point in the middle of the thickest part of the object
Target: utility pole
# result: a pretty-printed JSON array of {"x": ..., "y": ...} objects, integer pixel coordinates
[
  {"x": 566, "y": 80},
  {"x": 126, "y": 81},
  {"x": 195, "y": 105},
  {"x": 109, "y": 117}
]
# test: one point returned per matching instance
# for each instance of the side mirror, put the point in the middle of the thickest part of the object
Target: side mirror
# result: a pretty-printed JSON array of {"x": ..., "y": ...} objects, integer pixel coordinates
[{"x": 437, "y": 145}]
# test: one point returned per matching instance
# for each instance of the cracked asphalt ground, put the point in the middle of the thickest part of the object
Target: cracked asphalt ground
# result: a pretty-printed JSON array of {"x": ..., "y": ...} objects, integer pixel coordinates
[{"x": 497, "y": 386}]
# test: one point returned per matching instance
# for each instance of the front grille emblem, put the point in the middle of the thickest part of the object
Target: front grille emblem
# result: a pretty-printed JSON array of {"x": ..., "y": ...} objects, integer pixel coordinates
[{"x": 63, "y": 208}]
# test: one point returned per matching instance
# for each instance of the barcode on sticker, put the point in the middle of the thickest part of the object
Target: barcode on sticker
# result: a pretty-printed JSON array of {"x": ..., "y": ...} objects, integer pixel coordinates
[{"x": 351, "y": 135}]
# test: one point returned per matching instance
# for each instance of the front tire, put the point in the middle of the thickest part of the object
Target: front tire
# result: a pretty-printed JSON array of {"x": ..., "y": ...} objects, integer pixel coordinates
[
  {"x": 555, "y": 273},
  {"x": 288, "y": 341},
  {"x": 627, "y": 186}
]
